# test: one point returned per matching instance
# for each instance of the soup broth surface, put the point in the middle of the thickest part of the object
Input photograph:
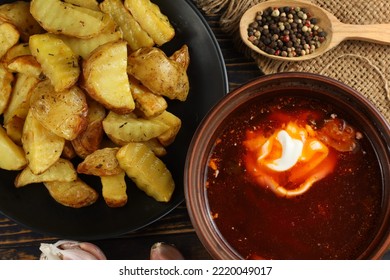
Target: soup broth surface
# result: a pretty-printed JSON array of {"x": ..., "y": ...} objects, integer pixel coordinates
[{"x": 336, "y": 217}]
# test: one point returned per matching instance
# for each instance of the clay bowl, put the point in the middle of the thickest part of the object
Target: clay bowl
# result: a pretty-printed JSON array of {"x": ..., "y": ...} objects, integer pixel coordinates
[{"x": 236, "y": 217}]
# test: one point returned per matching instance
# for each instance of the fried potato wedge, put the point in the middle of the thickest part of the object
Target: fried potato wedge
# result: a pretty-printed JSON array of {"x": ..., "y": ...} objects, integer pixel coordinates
[
  {"x": 19, "y": 103},
  {"x": 135, "y": 36},
  {"x": 42, "y": 147},
  {"x": 75, "y": 194},
  {"x": 59, "y": 63},
  {"x": 64, "y": 113},
  {"x": 148, "y": 63},
  {"x": 6, "y": 79},
  {"x": 62, "y": 170},
  {"x": 15, "y": 51},
  {"x": 150, "y": 18},
  {"x": 102, "y": 162},
  {"x": 129, "y": 128},
  {"x": 114, "y": 189},
  {"x": 157, "y": 148},
  {"x": 18, "y": 14},
  {"x": 182, "y": 56},
  {"x": 147, "y": 103},
  {"x": 174, "y": 124},
  {"x": 84, "y": 47},
  {"x": 58, "y": 17},
  {"x": 89, "y": 140},
  {"x": 18, "y": 106},
  {"x": 90, "y": 4},
  {"x": 147, "y": 171},
  {"x": 68, "y": 152},
  {"x": 106, "y": 79},
  {"x": 12, "y": 156},
  {"x": 9, "y": 36},
  {"x": 14, "y": 128},
  {"x": 26, "y": 64}
]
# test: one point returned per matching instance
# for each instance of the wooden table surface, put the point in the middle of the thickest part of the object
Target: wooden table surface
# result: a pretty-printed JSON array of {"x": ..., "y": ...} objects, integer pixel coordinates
[{"x": 17, "y": 242}]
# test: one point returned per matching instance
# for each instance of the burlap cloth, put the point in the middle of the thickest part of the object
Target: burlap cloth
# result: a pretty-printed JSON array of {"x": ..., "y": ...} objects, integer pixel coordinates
[{"x": 361, "y": 65}]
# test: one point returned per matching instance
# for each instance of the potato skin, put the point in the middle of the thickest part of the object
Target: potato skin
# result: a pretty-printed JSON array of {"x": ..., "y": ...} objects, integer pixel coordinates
[
  {"x": 160, "y": 74},
  {"x": 102, "y": 162},
  {"x": 64, "y": 113},
  {"x": 89, "y": 140},
  {"x": 75, "y": 194}
]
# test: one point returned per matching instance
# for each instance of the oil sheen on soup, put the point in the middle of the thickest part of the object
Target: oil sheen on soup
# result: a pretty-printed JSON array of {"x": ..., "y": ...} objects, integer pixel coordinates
[{"x": 291, "y": 178}]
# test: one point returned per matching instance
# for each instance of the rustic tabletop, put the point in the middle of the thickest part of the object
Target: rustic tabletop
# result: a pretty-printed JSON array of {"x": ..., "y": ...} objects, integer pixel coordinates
[{"x": 17, "y": 242}]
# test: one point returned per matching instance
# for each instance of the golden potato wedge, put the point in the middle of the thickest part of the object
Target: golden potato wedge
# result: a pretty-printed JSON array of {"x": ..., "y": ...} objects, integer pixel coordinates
[
  {"x": 102, "y": 162},
  {"x": 150, "y": 18},
  {"x": 129, "y": 128},
  {"x": 174, "y": 124},
  {"x": 68, "y": 152},
  {"x": 90, "y": 4},
  {"x": 19, "y": 103},
  {"x": 114, "y": 189},
  {"x": 62, "y": 170},
  {"x": 18, "y": 14},
  {"x": 147, "y": 104},
  {"x": 59, "y": 63},
  {"x": 182, "y": 56},
  {"x": 9, "y": 36},
  {"x": 75, "y": 194},
  {"x": 84, "y": 47},
  {"x": 6, "y": 79},
  {"x": 26, "y": 64},
  {"x": 106, "y": 79},
  {"x": 135, "y": 36},
  {"x": 96, "y": 111},
  {"x": 147, "y": 171},
  {"x": 157, "y": 148},
  {"x": 59, "y": 17},
  {"x": 147, "y": 63},
  {"x": 14, "y": 128},
  {"x": 89, "y": 140},
  {"x": 15, "y": 51},
  {"x": 18, "y": 106},
  {"x": 42, "y": 147},
  {"x": 64, "y": 113},
  {"x": 12, "y": 156}
]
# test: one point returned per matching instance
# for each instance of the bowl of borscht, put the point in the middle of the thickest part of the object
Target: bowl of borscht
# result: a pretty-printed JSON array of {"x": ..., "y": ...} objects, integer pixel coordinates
[{"x": 291, "y": 166}]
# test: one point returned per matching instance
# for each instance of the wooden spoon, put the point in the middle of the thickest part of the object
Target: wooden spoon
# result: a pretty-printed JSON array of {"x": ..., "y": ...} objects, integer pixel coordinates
[{"x": 336, "y": 31}]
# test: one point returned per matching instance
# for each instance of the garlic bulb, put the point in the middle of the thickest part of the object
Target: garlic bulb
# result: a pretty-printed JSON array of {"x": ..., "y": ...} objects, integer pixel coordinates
[
  {"x": 163, "y": 251},
  {"x": 71, "y": 250}
]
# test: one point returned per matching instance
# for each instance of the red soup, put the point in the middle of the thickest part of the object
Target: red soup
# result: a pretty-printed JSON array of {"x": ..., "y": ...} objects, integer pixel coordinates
[{"x": 294, "y": 178}]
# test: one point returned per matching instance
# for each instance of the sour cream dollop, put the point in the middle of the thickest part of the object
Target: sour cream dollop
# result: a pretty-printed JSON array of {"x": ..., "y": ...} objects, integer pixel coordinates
[{"x": 290, "y": 161}]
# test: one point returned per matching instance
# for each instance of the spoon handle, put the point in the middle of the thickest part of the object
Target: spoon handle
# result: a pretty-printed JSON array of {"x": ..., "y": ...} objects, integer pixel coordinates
[{"x": 376, "y": 33}]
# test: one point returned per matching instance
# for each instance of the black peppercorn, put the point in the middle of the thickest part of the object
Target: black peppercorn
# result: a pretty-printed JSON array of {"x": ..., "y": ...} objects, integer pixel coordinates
[{"x": 286, "y": 31}]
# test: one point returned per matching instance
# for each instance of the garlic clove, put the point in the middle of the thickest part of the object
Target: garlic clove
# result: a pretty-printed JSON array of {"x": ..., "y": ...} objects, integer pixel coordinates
[
  {"x": 50, "y": 252},
  {"x": 93, "y": 249},
  {"x": 163, "y": 251},
  {"x": 71, "y": 250},
  {"x": 77, "y": 254}
]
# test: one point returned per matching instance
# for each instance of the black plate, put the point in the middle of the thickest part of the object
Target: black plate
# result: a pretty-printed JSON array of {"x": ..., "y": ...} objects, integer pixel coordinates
[{"x": 32, "y": 207}]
